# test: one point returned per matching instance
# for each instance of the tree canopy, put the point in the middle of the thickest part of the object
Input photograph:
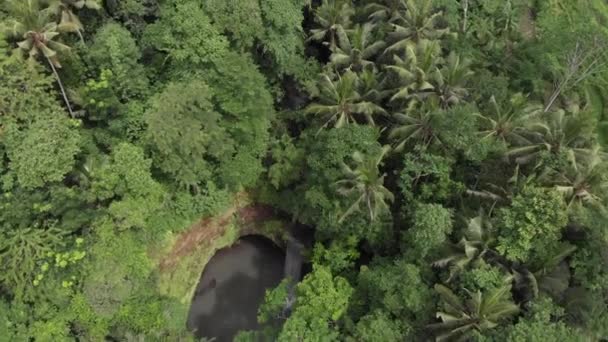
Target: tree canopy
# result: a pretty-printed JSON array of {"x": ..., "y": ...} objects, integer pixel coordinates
[{"x": 449, "y": 157}]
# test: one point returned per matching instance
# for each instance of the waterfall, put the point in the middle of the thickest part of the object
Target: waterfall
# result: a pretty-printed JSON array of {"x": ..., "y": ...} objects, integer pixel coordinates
[
  {"x": 294, "y": 259},
  {"x": 293, "y": 270}
]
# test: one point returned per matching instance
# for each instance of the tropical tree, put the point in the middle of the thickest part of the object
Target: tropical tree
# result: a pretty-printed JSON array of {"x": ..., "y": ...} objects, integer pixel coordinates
[
  {"x": 397, "y": 287},
  {"x": 126, "y": 179},
  {"x": 545, "y": 321},
  {"x": 204, "y": 43},
  {"x": 36, "y": 32},
  {"x": 415, "y": 70},
  {"x": 417, "y": 21},
  {"x": 20, "y": 251},
  {"x": 114, "y": 52},
  {"x": 333, "y": 17},
  {"x": 339, "y": 101},
  {"x": 357, "y": 49},
  {"x": 583, "y": 181},
  {"x": 551, "y": 276},
  {"x": 450, "y": 81},
  {"x": 506, "y": 122},
  {"x": 365, "y": 184},
  {"x": 64, "y": 10},
  {"x": 476, "y": 243},
  {"x": 430, "y": 226},
  {"x": 44, "y": 151},
  {"x": 532, "y": 226},
  {"x": 557, "y": 133},
  {"x": 384, "y": 10},
  {"x": 380, "y": 326},
  {"x": 427, "y": 177},
  {"x": 482, "y": 311},
  {"x": 372, "y": 85},
  {"x": 184, "y": 131},
  {"x": 322, "y": 300},
  {"x": 417, "y": 126}
]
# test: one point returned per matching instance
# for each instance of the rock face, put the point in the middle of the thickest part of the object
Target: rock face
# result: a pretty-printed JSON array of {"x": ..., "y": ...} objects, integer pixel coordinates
[{"x": 233, "y": 286}]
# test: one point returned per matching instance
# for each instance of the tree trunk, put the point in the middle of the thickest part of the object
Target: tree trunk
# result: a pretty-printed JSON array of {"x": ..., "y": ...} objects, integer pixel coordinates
[
  {"x": 465, "y": 6},
  {"x": 65, "y": 97},
  {"x": 552, "y": 99}
]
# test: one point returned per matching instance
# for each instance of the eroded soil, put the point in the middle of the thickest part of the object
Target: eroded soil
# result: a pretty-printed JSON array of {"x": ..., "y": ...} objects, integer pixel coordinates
[{"x": 206, "y": 230}]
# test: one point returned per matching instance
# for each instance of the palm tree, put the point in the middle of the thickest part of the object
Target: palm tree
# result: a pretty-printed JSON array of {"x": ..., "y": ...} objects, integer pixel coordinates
[
  {"x": 583, "y": 181},
  {"x": 503, "y": 192},
  {"x": 416, "y": 125},
  {"x": 340, "y": 102},
  {"x": 36, "y": 33},
  {"x": 450, "y": 80},
  {"x": 357, "y": 49},
  {"x": 558, "y": 133},
  {"x": 482, "y": 311},
  {"x": 552, "y": 276},
  {"x": 333, "y": 17},
  {"x": 417, "y": 22},
  {"x": 506, "y": 123},
  {"x": 365, "y": 183},
  {"x": 384, "y": 10},
  {"x": 68, "y": 20},
  {"x": 416, "y": 69},
  {"x": 371, "y": 86},
  {"x": 474, "y": 245}
]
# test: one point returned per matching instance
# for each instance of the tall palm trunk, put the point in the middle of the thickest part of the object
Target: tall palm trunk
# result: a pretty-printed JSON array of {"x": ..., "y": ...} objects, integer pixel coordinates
[
  {"x": 465, "y": 7},
  {"x": 65, "y": 97}
]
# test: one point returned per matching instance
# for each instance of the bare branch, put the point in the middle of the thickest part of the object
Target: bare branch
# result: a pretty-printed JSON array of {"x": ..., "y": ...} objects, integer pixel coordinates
[{"x": 582, "y": 63}]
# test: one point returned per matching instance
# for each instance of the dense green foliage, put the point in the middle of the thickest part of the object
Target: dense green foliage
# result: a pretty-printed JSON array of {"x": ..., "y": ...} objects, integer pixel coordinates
[{"x": 450, "y": 155}]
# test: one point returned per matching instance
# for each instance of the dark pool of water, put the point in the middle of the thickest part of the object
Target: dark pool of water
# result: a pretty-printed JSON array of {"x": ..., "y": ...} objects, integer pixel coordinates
[{"x": 232, "y": 287}]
